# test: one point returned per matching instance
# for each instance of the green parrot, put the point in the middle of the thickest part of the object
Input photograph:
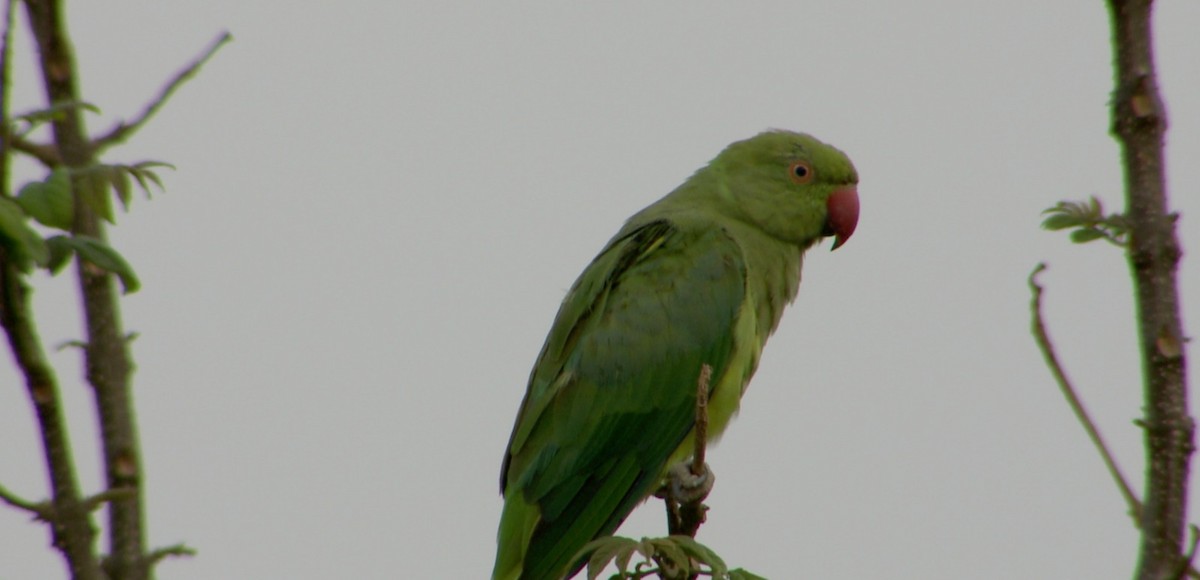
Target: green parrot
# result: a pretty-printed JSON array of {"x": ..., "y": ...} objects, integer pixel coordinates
[{"x": 700, "y": 277}]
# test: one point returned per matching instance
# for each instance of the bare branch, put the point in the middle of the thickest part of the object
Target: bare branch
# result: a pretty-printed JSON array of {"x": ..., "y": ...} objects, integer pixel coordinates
[
  {"x": 123, "y": 130},
  {"x": 1068, "y": 391}
]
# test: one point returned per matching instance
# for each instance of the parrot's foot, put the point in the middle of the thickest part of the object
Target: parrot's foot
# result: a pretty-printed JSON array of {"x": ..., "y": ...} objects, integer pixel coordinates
[
  {"x": 686, "y": 487},
  {"x": 683, "y": 491}
]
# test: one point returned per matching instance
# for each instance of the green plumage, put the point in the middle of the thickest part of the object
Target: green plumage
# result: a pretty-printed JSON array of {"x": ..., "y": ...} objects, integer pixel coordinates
[{"x": 699, "y": 277}]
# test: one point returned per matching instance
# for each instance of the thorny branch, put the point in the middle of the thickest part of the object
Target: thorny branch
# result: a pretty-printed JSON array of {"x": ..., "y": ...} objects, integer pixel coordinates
[
  {"x": 1139, "y": 123},
  {"x": 71, "y": 526},
  {"x": 106, "y": 354}
]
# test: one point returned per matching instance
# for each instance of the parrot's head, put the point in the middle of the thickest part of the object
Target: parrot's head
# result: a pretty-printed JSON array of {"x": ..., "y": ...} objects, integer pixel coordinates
[{"x": 791, "y": 186}]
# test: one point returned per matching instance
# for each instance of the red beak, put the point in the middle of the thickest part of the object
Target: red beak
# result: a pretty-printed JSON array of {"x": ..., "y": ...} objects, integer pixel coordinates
[{"x": 842, "y": 216}]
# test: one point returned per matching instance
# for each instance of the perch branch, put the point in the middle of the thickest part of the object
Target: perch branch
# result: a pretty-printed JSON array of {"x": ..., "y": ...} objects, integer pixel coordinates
[
  {"x": 701, "y": 429},
  {"x": 693, "y": 512},
  {"x": 689, "y": 483}
]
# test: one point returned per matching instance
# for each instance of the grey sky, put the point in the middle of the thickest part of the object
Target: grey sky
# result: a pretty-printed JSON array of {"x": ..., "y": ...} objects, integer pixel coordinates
[{"x": 378, "y": 207}]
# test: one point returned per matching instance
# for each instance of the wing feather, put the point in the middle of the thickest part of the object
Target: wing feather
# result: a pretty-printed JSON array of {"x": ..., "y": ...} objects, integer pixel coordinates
[{"x": 613, "y": 392}]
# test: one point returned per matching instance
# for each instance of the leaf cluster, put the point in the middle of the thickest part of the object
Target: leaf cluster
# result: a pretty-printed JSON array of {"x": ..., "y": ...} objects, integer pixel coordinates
[
  {"x": 1088, "y": 221},
  {"x": 672, "y": 557},
  {"x": 51, "y": 203}
]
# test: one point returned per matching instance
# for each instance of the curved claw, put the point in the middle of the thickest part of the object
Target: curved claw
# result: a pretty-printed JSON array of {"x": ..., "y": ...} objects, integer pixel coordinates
[{"x": 687, "y": 487}]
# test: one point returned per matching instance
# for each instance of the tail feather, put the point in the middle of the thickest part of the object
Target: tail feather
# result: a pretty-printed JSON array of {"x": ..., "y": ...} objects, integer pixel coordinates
[
  {"x": 531, "y": 548},
  {"x": 517, "y": 522}
]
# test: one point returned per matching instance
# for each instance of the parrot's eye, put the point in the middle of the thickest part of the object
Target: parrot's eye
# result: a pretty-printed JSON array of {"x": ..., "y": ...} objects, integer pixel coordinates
[{"x": 801, "y": 172}]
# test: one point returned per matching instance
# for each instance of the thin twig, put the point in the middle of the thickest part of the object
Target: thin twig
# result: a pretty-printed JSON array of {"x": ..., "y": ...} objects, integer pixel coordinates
[
  {"x": 47, "y": 155},
  {"x": 123, "y": 130},
  {"x": 41, "y": 510},
  {"x": 177, "y": 550},
  {"x": 1068, "y": 391},
  {"x": 97, "y": 501}
]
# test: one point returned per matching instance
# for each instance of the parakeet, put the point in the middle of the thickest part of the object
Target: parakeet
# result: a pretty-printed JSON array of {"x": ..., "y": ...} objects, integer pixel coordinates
[{"x": 700, "y": 277}]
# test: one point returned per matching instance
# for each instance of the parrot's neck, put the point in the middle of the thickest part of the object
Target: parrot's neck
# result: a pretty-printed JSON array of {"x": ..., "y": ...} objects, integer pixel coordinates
[{"x": 772, "y": 274}]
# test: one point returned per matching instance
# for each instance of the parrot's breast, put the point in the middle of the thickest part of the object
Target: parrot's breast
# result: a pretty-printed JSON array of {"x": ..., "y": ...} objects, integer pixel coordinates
[{"x": 727, "y": 392}]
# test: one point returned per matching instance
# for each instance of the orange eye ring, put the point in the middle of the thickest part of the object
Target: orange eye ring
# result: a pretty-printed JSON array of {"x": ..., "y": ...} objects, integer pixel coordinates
[{"x": 801, "y": 172}]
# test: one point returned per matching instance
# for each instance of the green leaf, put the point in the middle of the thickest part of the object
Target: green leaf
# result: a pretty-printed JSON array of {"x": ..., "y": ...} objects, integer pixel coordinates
[
  {"x": 144, "y": 171},
  {"x": 49, "y": 201},
  {"x": 702, "y": 554},
  {"x": 1085, "y": 235},
  {"x": 61, "y": 251},
  {"x": 1061, "y": 221},
  {"x": 147, "y": 166},
  {"x": 667, "y": 549},
  {"x": 95, "y": 193},
  {"x": 105, "y": 257},
  {"x": 603, "y": 550},
  {"x": 122, "y": 186},
  {"x": 624, "y": 556},
  {"x": 740, "y": 574},
  {"x": 121, "y": 177},
  {"x": 27, "y": 246}
]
